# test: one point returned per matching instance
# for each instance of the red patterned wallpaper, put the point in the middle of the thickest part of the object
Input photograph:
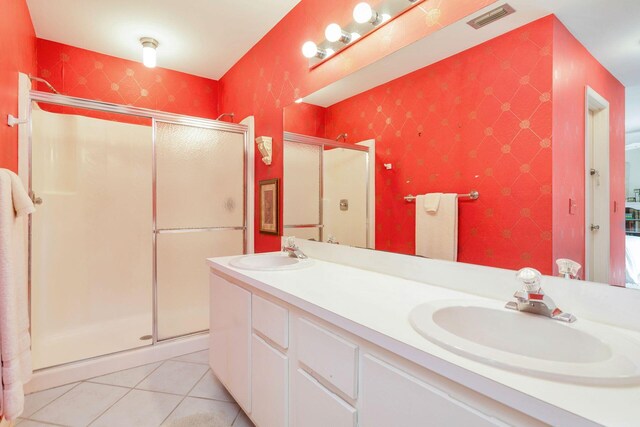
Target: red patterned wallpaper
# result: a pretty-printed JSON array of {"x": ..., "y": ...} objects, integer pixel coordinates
[
  {"x": 480, "y": 120},
  {"x": 574, "y": 69},
  {"x": 274, "y": 73},
  {"x": 17, "y": 54},
  {"x": 87, "y": 74}
]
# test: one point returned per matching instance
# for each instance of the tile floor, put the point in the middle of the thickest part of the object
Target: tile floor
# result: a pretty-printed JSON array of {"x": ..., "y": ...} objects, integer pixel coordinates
[{"x": 148, "y": 395}]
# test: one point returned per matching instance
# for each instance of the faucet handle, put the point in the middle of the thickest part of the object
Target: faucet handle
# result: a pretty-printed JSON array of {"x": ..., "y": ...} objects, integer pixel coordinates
[
  {"x": 291, "y": 242},
  {"x": 530, "y": 278},
  {"x": 568, "y": 268}
]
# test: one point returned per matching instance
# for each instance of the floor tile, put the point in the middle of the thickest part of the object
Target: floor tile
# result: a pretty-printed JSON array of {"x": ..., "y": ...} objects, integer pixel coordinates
[
  {"x": 201, "y": 357},
  {"x": 139, "y": 408},
  {"x": 35, "y": 401},
  {"x": 80, "y": 405},
  {"x": 209, "y": 387},
  {"x": 191, "y": 406},
  {"x": 173, "y": 377},
  {"x": 128, "y": 377},
  {"x": 243, "y": 421}
]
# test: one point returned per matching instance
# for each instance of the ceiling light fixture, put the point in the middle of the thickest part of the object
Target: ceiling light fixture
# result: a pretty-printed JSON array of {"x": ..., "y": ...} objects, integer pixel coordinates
[
  {"x": 364, "y": 13},
  {"x": 334, "y": 33},
  {"x": 149, "y": 46}
]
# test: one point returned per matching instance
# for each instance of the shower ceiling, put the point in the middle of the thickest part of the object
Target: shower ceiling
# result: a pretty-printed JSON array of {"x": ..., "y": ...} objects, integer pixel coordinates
[{"x": 200, "y": 37}]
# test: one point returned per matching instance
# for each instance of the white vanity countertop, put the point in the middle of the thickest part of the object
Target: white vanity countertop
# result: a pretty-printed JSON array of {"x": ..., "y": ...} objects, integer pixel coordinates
[{"x": 376, "y": 307}]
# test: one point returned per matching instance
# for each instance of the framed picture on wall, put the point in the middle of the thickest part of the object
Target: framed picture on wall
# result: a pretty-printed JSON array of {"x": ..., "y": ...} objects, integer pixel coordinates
[{"x": 269, "y": 206}]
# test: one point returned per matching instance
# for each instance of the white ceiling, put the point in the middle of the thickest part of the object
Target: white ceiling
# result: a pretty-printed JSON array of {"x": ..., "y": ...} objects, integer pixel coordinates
[
  {"x": 201, "y": 37},
  {"x": 609, "y": 30}
]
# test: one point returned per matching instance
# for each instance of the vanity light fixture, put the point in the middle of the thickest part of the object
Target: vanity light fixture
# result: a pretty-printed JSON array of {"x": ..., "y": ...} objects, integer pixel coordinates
[
  {"x": 363, "y": 12},
  {"x": 149, "y": 46},
  {"x": 310, "y": 50},
  {"x": 341, "y": 35},
  {"x": 298, "y": 101},
  {"x": 334, "y": 33}
]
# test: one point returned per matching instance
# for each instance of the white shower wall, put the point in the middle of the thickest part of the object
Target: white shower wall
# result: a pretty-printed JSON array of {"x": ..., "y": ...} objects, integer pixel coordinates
[{"x": 345, "y": 178}]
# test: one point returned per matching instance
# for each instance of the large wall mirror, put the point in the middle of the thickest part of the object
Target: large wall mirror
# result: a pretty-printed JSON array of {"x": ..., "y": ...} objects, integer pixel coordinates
[{"x": 538, "y": 112}]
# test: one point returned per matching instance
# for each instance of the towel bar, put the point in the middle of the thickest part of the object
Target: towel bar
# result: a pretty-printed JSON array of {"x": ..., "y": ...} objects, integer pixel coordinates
[{"x": 473, "y": 195}]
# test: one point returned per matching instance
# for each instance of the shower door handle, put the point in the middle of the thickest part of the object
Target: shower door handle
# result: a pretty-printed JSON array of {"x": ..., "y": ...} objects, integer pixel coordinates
[{"x": 34, "y": 199}]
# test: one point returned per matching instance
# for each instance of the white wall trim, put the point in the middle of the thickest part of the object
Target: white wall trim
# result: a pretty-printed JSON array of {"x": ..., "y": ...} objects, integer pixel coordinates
[
  {"x": 594, "y": 102},
  {"x": 371, "y": 208},
  {"x": 250, "y": 122}
]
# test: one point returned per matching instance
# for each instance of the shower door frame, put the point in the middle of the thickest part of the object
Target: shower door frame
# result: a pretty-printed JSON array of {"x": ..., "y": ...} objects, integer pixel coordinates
[
  {"x": 297, "y": 138},
  {"x": 155, "y": 117}
]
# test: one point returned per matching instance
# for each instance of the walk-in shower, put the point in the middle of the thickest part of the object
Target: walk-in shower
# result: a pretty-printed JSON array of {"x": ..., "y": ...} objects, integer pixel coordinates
[{"x": 133, "y": 201}]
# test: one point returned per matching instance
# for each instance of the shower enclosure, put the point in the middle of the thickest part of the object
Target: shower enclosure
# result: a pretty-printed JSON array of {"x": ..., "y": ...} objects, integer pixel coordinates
[{"x": 132, "y": 202}]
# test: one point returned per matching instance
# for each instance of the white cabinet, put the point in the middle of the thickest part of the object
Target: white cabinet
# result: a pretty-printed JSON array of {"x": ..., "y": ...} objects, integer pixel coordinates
[
  {"x": 392, "y": 397},
  {"x": 315, "y": 406},
  {"x": 230, "y": 338},
  {"x": 269, "y": 385}
]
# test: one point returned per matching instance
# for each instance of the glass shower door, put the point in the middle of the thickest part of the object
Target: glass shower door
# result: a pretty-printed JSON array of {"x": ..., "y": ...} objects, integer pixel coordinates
[
  {"x": 91, "y": 241},
  {"x": 200, "y": 213}
]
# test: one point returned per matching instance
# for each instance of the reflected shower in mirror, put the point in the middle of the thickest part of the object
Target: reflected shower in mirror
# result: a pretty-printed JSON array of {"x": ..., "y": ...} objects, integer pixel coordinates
[
  {"x": 329, "y": 188},
  {"x": 528, "y": 110}
]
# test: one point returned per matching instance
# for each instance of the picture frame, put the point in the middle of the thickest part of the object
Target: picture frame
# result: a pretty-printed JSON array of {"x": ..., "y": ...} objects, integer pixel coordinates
[{"x": 269, "y": 206}]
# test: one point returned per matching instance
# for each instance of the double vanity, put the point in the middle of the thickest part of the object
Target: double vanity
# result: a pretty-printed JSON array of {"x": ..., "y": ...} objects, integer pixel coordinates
[{"x": 353, "y": 337}]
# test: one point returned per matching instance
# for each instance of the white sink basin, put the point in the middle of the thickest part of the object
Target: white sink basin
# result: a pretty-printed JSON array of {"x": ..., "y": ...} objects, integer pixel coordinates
[
  {"x": 269, "y": 262},
  {"x": 485, "y": 331}
]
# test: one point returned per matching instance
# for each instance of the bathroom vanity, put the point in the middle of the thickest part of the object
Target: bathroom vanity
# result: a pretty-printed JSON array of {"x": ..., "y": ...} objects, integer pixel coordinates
[{"x": 328, "y": 342}]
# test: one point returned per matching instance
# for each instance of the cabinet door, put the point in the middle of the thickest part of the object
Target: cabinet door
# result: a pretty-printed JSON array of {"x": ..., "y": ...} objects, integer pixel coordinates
[
  {"x": 315, "y": 406},
  {"x": 230, "y": 338},
  {"x": 269, "y": 382},
  {"x": 393, "y": 397}
]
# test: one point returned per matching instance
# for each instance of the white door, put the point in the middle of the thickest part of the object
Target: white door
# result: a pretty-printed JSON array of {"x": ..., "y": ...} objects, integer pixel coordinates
[{"x": 597, "y": 200}]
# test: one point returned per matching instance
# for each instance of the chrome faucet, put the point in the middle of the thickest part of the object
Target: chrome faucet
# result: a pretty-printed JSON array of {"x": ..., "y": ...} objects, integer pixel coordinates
[
  {"x": 293, "y": 250},
  {"x": 568, "y": 268},
  {"x": 532, "y": 299}
]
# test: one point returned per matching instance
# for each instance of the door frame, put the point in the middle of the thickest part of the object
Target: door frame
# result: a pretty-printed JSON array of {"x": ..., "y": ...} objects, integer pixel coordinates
[{"x": 597, "y": 104}]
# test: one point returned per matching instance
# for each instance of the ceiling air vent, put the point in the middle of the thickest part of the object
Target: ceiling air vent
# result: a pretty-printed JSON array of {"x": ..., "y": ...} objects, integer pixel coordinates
[{"x": 491, "y": 16}]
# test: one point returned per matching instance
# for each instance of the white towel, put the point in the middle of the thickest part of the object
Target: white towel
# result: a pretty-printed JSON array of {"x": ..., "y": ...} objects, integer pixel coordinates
[
  {"x": 432, "y": 202},
  {"x": 437, "y": 232},
  {"x": 15, "y": 342}
]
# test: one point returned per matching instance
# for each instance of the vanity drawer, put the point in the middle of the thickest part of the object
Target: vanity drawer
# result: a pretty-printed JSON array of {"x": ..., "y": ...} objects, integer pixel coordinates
[
  {"x": 317, "y": 407},
  {"x": 328, "y": 356},
  {"x": 270, "y": 320}
]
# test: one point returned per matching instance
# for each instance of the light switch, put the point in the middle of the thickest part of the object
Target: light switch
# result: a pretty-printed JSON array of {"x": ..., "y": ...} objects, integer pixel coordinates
[{"x": 573, "y": 206}]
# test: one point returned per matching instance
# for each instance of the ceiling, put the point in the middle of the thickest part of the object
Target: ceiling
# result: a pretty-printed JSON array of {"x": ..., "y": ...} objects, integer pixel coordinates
[
  {"x": 610, "y": 33},
  {"x": 200, "y": 37}
]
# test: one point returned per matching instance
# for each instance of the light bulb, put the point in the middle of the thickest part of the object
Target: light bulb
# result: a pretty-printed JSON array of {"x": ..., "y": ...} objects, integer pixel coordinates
[
  {"x": 309, "y": 49},
  {"x": 362, "y": 13},
  {"x": 333, "y": 33},
  {"x": 149, "y": 46},
  {"x": 149, "y": 57}
]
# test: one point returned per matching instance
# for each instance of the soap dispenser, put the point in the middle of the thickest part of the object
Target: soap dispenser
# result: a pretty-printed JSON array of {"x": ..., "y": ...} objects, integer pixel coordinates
[{"x": 568, "y": 268}]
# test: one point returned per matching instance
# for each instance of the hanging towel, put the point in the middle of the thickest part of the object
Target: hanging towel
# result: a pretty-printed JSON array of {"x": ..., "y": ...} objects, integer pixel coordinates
[
  {"x": 15, "y": 342},
  {"x": 432, "y": 202},
  {"x": 437, "y": 231}
]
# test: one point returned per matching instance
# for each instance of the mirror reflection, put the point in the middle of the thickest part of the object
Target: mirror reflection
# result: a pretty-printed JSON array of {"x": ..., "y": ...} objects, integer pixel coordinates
[{"x": 529, "y": 111}]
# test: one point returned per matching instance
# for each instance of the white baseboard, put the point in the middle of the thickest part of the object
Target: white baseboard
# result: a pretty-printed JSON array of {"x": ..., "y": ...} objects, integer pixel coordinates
[{"x": 78, "y": 371}]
